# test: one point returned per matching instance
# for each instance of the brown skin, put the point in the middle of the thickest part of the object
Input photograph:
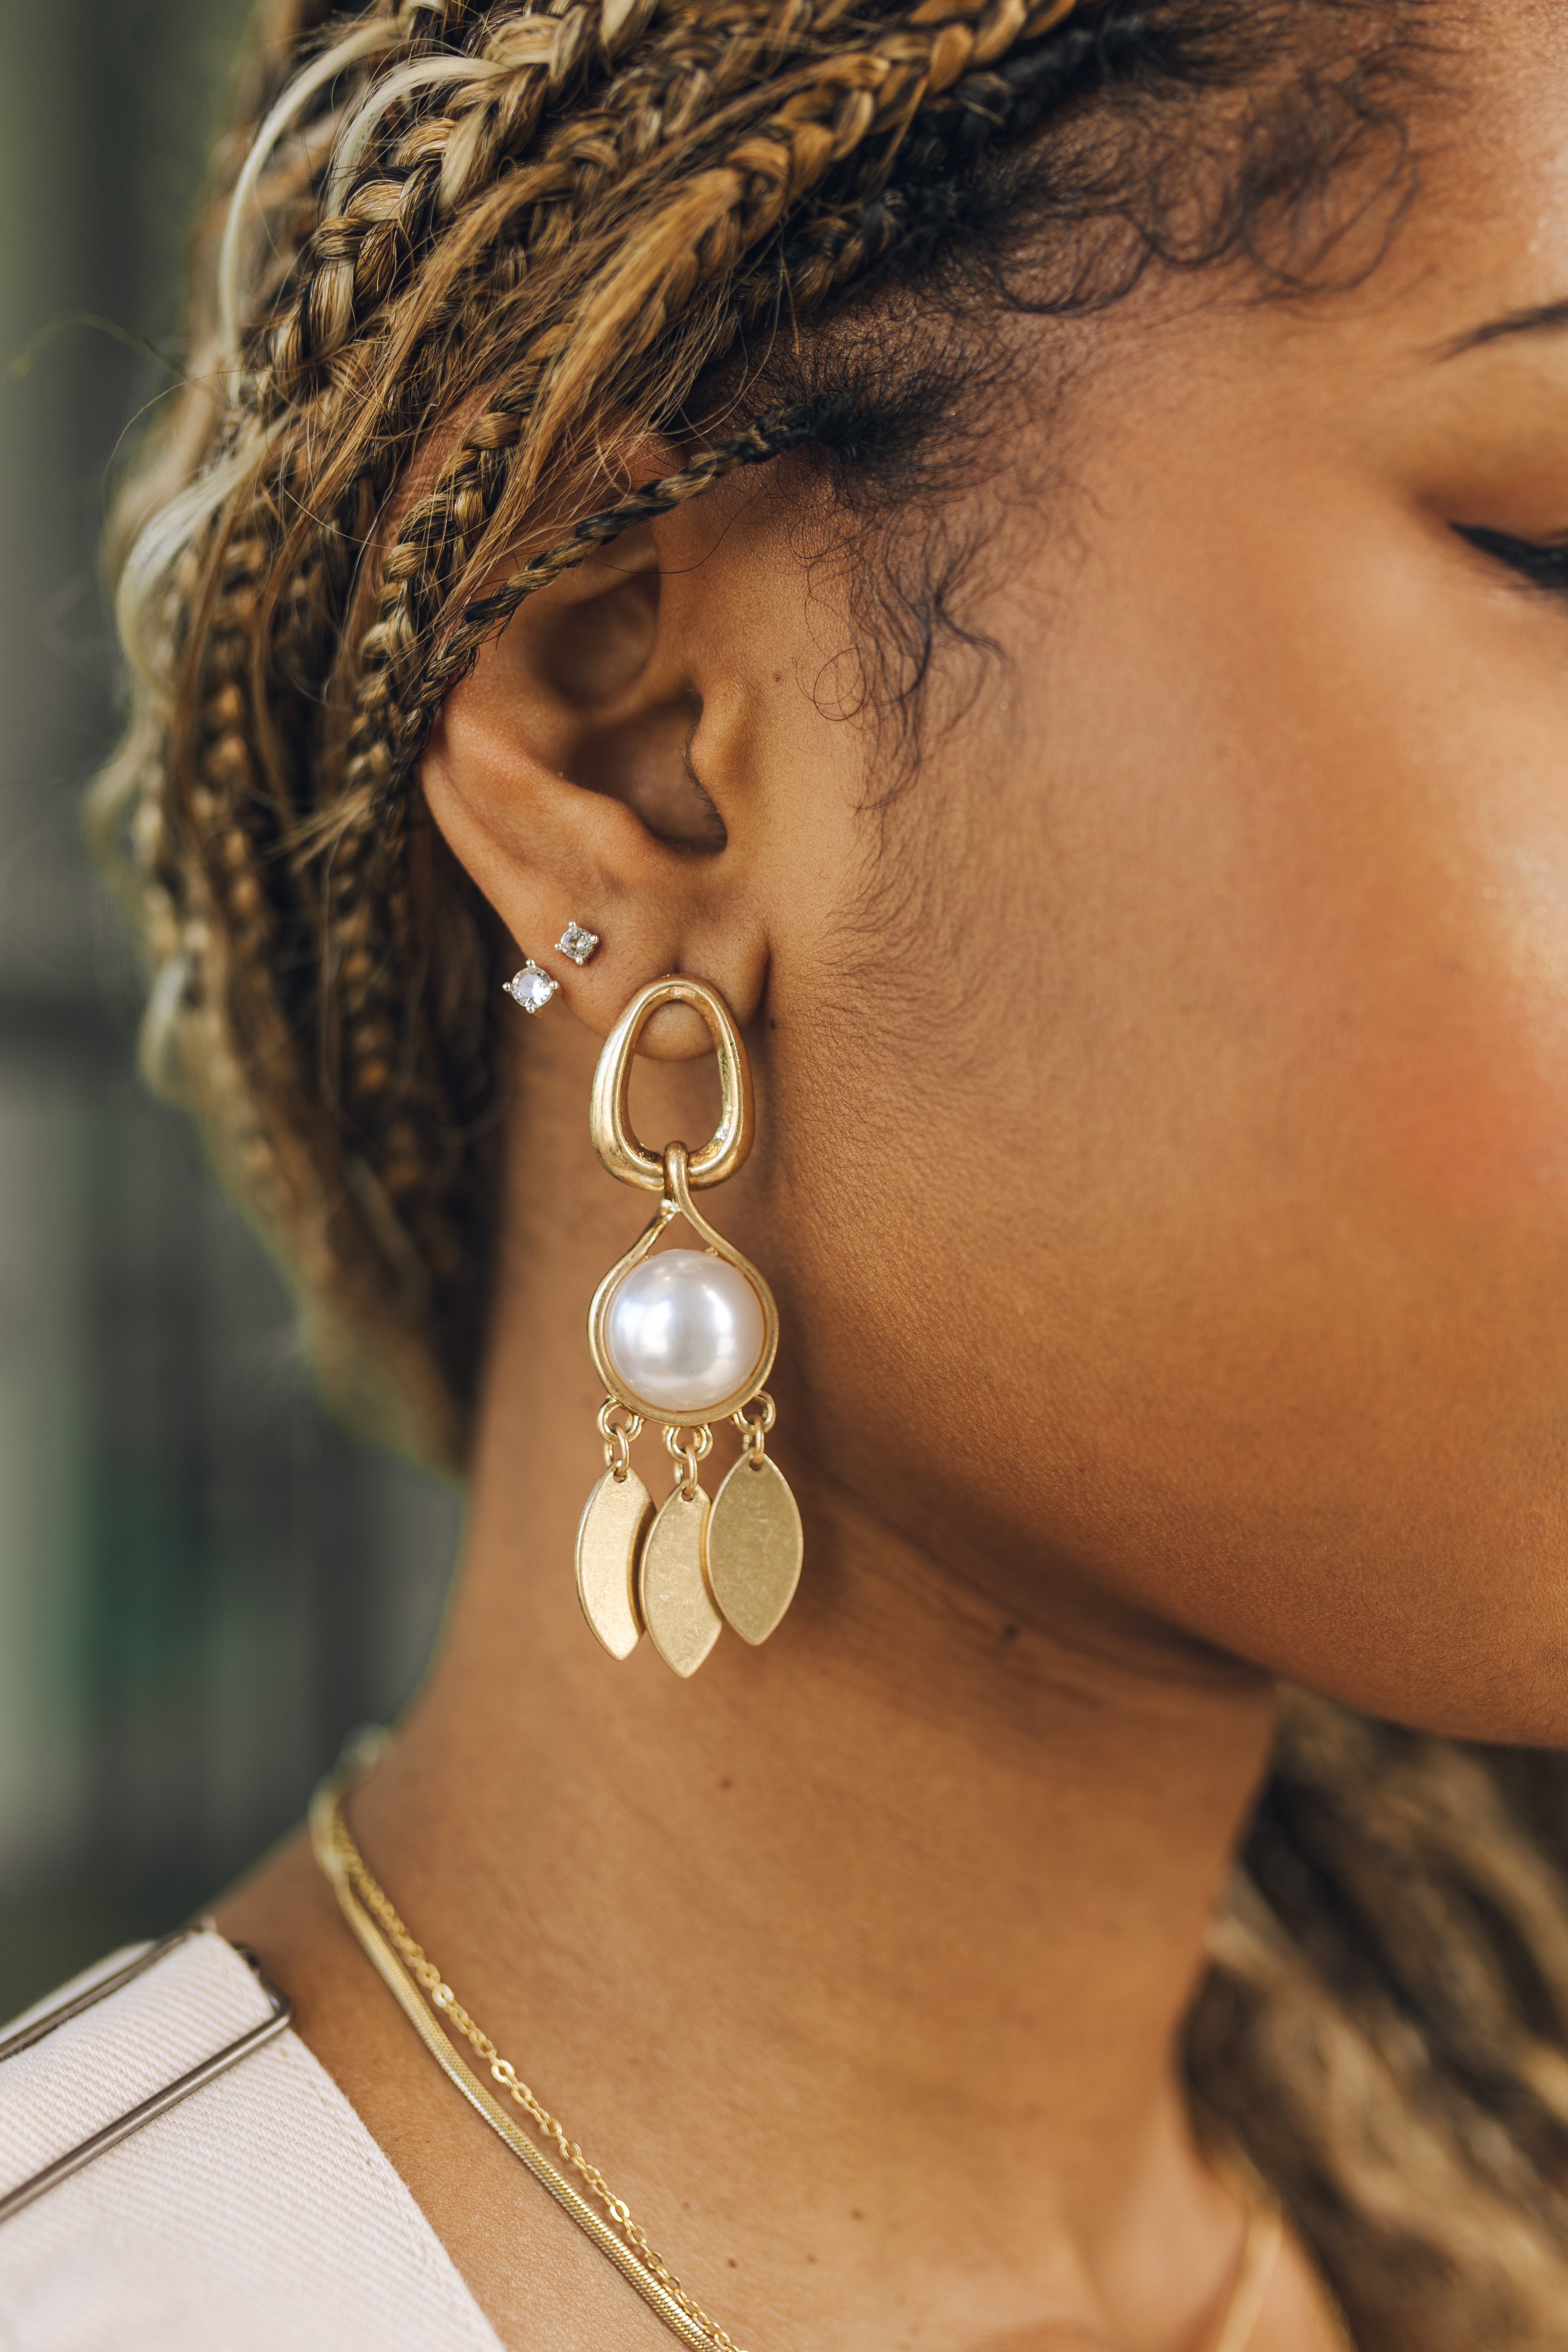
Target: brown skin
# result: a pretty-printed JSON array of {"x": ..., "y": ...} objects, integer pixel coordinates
[{"x": 1163, "y": 1168}]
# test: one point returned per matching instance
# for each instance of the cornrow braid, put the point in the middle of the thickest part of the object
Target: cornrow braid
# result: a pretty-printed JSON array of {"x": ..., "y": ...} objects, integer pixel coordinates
[
  {"x": 434, "y": 676},
  {"x": 530, "y": 231},
  {"x": 340, "y": 344},
  {"x": 576, "y": 213},
  {"x": 367, "y": 910},
  {"x": 405, "y": 674}
]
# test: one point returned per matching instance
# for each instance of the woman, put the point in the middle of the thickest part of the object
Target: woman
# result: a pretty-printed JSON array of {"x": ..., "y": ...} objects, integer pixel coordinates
[{"x": 1021, "y": 545}]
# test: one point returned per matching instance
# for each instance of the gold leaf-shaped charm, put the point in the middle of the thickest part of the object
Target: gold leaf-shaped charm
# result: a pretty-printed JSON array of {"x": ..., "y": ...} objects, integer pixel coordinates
[
  {"x": 677, "y": 1606},
  {"x": 608, "y": 1536},
  {"x": 755, "y": 1546}
]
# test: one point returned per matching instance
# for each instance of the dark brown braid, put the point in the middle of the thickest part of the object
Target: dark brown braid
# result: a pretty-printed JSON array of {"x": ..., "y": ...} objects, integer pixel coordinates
[{"x": 546, "y": 222}]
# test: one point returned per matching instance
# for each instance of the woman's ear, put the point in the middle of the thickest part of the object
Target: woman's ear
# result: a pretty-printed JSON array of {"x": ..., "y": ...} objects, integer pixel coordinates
[{"x": 565, "y": 775}]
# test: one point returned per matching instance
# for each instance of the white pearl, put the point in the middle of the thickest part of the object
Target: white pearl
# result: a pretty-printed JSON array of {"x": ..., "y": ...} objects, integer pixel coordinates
[{"x": 684, "y": 1331}]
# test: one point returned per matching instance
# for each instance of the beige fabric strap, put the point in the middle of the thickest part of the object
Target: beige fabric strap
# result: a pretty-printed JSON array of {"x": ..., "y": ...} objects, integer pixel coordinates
[
  {"x": 258, "y": 2213},
  {"x": 15, "y": 2199}
]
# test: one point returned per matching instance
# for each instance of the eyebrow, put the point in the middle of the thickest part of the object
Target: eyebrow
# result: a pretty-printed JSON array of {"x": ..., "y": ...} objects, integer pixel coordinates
[{"x": 1545, "y": 319}]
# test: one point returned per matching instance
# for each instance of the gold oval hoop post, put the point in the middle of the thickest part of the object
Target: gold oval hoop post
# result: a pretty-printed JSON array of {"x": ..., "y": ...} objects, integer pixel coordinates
[{"x": 609, "y": 1113}]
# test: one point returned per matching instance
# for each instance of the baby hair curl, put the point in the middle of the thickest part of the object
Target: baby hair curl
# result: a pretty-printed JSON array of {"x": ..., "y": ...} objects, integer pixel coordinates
[{"x": 494, "y": 233}]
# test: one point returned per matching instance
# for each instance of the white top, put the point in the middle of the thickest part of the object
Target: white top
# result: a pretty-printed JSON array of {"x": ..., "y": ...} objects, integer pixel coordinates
[{"x": 258, "y": 2214}]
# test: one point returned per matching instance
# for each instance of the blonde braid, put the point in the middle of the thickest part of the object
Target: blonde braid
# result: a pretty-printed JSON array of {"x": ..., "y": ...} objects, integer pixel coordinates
[
  {"x": 1385, "y": 2030},
  {"x": 705, "y": 236},
  {"x": 351, "y": 269},
  {"x": 576, "y": 213}
]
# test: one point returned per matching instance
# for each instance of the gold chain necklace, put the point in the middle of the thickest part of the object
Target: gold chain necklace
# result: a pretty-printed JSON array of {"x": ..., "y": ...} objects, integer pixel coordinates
[
  {"x": 419, "y": 1988},
  {"x": 408, "y": 1972}
]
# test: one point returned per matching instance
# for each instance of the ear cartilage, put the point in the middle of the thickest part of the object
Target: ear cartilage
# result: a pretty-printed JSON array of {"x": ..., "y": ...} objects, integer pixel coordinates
[
  {"x": 531, "y": 988},
  {"x": 576, "y": 942}
]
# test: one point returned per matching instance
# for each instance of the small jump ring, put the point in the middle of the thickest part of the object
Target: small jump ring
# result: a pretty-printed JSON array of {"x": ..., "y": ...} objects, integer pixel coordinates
[
  {"x": 701, "y": 1444},
  {"x": 618, "y": 1437},
  {"x": 630, "y": 1429},
  {"x": 766, "y": 1416},
  {"x": 687, "y": 1457}
]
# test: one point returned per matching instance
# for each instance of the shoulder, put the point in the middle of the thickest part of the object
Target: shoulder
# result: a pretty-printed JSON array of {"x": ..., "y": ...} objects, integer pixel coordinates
[{"x": 248, "y": 2206}]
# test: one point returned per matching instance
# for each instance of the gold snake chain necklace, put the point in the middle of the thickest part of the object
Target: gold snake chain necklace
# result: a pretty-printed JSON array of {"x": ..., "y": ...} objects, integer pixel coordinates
[{"x": 430, "y": 2005}]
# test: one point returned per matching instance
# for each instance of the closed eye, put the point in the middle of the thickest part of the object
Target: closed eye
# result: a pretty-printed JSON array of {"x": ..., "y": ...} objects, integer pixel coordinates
[{"x": 1543, "y": 562}]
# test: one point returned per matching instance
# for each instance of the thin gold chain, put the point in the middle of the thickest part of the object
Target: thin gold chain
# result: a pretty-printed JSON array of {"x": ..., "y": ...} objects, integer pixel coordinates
[
  {"x": 332, "y": 1827},
  {"x": 361, "y": 1894}
]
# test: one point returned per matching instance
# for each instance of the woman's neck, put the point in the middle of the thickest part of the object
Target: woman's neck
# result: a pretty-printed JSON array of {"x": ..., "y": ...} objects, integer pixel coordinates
[{"x": 856, "y": 1961}]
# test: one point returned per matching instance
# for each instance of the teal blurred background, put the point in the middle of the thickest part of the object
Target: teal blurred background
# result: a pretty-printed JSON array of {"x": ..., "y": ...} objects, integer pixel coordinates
[{"x": 202, "y": 1585}]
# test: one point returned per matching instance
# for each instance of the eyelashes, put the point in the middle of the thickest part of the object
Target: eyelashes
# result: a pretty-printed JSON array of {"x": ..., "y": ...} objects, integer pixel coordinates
[{"x": 1542, "y": 563}]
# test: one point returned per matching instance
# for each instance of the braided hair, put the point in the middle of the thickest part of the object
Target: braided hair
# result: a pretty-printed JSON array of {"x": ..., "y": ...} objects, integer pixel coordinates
[{"x": 492, "y": 231}]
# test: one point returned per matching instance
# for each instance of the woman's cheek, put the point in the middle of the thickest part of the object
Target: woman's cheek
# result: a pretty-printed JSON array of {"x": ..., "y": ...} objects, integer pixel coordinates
[
  {"x": 1475, "y": 1122},
  {"x": 1452, "y": 1063}
]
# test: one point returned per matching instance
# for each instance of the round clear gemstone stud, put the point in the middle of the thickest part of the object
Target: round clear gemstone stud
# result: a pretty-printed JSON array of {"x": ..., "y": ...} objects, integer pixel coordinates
[
  {"x": 577, "y": 944},
  {"x": 531, "y": 988}
]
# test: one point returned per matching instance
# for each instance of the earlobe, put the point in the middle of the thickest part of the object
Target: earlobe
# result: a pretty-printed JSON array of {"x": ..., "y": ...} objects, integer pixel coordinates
[{"x": 560, "y": 774}]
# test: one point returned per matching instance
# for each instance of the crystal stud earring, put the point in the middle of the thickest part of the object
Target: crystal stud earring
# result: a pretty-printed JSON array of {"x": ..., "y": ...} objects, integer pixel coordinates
[
  {"x": 577, "y": 944},
  {"x": 531, "y": 988}
]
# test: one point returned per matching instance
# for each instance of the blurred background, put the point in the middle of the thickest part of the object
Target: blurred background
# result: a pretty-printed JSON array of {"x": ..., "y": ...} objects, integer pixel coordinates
[{"x": 202, "y": 1585}]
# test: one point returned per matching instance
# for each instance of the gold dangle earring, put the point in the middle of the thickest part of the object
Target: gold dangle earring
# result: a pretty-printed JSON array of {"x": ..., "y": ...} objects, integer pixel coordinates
[{"x": 683, "y": 1338}]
